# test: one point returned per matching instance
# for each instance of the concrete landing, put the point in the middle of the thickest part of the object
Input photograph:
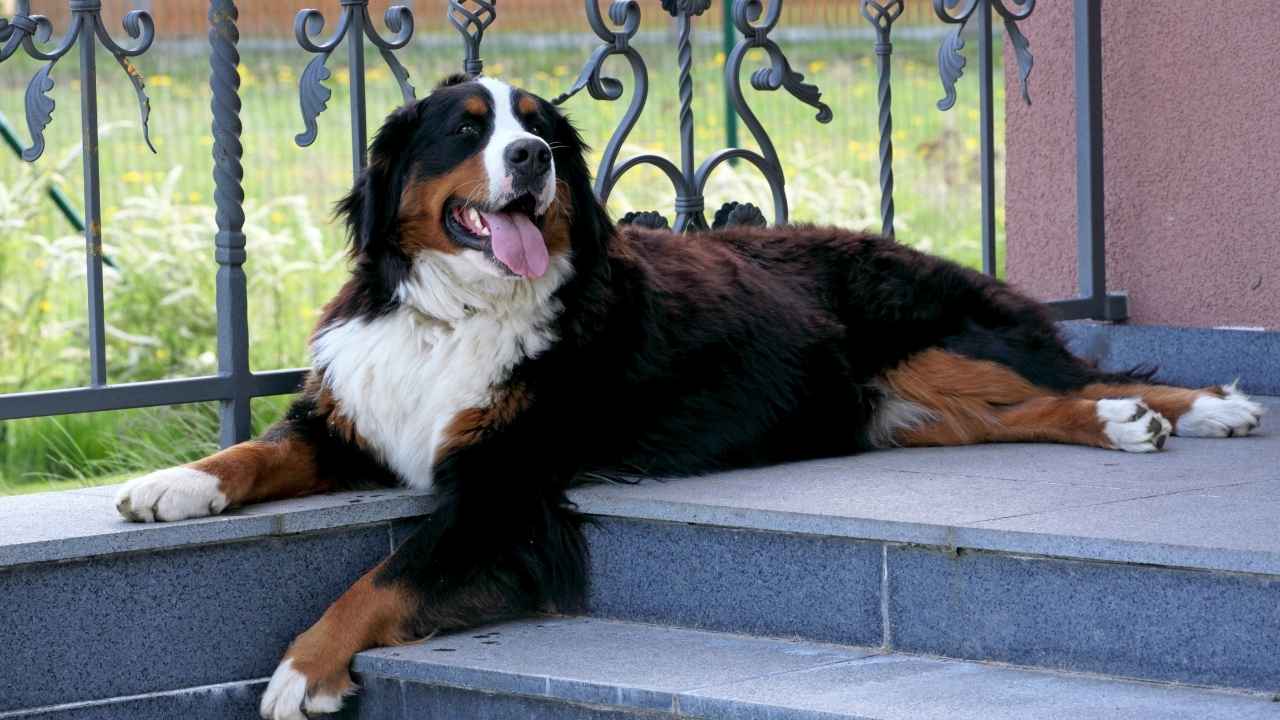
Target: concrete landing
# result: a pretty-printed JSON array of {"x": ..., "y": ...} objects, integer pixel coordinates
[{"x": 1210, "y": 504}]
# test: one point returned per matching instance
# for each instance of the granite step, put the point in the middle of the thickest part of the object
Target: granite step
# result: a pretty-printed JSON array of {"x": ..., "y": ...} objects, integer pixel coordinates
[
  {"x": 1161, "y": 567},
  {"x": 589, "y": 669}
]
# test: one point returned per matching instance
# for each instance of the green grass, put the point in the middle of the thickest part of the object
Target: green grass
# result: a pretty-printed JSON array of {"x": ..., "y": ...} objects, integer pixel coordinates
[{"x": 159, "y": 221}]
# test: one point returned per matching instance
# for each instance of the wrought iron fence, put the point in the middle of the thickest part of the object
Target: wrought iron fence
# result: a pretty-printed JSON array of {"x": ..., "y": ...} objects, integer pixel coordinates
[{"x": 236, "y": 384}]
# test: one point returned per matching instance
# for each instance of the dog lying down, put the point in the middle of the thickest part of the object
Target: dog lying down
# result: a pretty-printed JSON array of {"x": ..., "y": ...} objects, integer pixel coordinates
[{"x": 498, "y": 336}]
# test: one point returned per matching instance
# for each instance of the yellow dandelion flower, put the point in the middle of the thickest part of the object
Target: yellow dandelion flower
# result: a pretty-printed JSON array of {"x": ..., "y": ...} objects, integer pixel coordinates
[
  {"x": 971, "y": 144},
  {"x": 284, "y": 74},
  {"x": 855, "y": 146},
  {"x": 205, "y": 140},
  {"x": 40, "y": 263},
  {"x": 720, "y": 58},
  {"x": 342, "y": 75},
  {"x": 816, "y": 66},
  {"x": 973, "y": 114},
  {"x": 45, "y": 306},
  {"x": 495, "y": 69},
  {"x": 899, "y": 135},
  {"x": 277, "y": 217},
  {"x": 161, "y": 354},
  {"x": 132, "y": 177},
  {"x": 194, "y": 197},
  {"x": 560, "y": 70},
  {"x": 160, "y": 80}
]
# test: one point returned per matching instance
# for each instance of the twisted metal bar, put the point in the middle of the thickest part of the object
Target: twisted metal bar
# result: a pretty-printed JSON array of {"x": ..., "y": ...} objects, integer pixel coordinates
[
  {"x": 313, "y": 96},
  {"x": 881, "y": 16},
  {"x": 687, "y": 181},
  {"x": 229, "y": 243},
  {"x": 471, "y": 24}
]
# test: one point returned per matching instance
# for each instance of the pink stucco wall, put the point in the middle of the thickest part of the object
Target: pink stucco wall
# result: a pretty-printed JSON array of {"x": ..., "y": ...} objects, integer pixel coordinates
[{"x": 1192, "y": 157}]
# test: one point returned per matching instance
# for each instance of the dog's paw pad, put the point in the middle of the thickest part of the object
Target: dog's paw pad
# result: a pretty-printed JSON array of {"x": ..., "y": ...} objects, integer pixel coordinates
[
  {"x": 1132, "y": 426},
  {"x": 176, "y": 493},
  {"x": 1232, "y": 415},
  {"x": 287, "y": 696}
]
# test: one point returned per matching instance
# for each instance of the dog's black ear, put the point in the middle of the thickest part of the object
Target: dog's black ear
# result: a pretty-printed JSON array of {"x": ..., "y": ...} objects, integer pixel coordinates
[{"x": 371, "y": 208}]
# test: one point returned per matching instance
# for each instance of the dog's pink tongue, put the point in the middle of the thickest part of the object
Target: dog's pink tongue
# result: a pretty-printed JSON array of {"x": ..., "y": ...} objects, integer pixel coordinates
[{"x": 518, "y": 243}]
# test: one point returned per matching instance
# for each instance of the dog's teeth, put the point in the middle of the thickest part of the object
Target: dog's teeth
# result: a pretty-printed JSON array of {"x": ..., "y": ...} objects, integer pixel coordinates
[{"x": 473, "y": 219}]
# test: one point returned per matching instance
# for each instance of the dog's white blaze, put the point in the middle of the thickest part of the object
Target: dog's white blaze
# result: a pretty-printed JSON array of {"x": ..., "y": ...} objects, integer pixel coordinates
[
  {"x": 1210, "y": 416},
  {"x": 459, "y": 332},
  {"x": 175, "y": 493},
  {"x": 506, "y": 130}
]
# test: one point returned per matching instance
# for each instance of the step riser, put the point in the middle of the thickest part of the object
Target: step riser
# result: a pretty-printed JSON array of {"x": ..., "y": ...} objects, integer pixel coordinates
[
  {"x": 232, "y": 700},
  {"x": 152, "y": 622},
  {"x": 1148, "y": 622}
]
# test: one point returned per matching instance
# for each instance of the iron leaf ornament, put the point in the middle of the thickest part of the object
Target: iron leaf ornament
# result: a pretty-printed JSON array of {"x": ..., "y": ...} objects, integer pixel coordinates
[
  {"x": 308, "y": 24},
  {"x": 31, "y": 32},
  {"x": 951, "y": 62}
]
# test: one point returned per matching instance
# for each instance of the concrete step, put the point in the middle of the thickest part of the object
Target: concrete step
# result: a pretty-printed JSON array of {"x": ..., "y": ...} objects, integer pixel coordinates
[
  {"x": 1162, "y": 567},
  {"x": 582, "y": 668}
]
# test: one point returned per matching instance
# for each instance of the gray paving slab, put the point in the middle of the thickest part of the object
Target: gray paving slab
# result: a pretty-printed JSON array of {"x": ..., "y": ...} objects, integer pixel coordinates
[
  {"x": 598, "y": 661},
  {"x": 601, "y": 665},
  {"x": 1046, "y": 499},
  {"x": 47, "y": 527},
  {"x": 898, "y": 687},
  {"x": 1235, "y": 527}
]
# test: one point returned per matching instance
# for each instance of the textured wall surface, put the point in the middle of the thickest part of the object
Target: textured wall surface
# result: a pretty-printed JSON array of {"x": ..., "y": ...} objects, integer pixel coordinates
[{"x": 1192, "y": 158}]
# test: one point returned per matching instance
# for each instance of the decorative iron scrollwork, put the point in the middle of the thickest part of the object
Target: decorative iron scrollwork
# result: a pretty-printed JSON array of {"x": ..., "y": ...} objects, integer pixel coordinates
[
  {"x": 31, "y": 31},
  {"x": 471, "y": 24},
  {"x": 313, "y": 96},
  {"x": 951, "y": 63},
  {"x": 688, "y": 181}
]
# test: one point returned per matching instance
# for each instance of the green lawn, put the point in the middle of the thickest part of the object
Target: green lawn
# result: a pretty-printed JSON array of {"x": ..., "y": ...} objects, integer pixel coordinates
[{"x": 159, "y": 219}]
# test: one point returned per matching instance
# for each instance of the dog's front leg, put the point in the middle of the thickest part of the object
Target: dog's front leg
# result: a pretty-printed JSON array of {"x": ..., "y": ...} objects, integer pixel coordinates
[{"x": 476, "y": 559}]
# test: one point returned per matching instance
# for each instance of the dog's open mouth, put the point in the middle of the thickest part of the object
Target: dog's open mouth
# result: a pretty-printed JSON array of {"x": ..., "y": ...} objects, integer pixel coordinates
[{"x": 512, "y": 234}]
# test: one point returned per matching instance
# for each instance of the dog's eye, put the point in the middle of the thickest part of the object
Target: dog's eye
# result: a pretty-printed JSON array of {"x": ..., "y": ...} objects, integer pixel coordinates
[
  {"x": 537, "y": 129},
  {"x": 467, "y": 129}
]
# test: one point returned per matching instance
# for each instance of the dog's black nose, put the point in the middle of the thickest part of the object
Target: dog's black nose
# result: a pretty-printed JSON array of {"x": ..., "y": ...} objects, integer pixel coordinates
[{"x": 528, "y": 159}]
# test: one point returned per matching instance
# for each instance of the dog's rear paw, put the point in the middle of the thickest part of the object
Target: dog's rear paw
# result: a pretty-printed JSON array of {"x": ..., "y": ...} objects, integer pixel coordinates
[
  {"x": 176, "y": 493},
  {"x": 1132, "y": 426},
  {"x": 291, "y": 695},
  {"x": 1231, "y": 415}
]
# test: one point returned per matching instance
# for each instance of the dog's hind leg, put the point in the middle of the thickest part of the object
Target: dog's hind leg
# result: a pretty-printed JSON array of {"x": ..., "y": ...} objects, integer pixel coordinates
[
  {"x": 1216, "y": 411},
  {"x": 955, "y": 400}
]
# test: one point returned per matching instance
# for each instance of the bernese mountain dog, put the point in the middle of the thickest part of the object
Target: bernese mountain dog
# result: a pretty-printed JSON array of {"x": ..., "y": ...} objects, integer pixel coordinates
[{"x": 499, "y": 337}]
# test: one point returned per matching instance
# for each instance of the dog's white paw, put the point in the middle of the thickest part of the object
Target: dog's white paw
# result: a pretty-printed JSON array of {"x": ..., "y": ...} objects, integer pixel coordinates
[
  {"x": 1132, "y": 426},
  {"x": 1233, "y": 415},
  {"x": 175, "y": 493},
  {"x": 286, "y": 696}
]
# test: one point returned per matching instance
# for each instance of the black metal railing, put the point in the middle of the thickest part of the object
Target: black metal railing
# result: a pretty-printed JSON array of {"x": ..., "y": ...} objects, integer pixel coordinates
[{"x": 752, "y": 21}]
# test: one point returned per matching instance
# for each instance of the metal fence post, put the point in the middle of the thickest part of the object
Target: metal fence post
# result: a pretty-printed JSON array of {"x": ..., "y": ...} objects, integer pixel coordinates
[
  {"x": 881, "y": 16},
  {"x": 471, "y": 24},
  {"x": 1090, "y": 195},
  {"x": 231, "y": 298}
]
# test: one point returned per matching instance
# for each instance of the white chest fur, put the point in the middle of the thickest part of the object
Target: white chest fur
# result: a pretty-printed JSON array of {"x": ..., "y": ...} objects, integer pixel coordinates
[{"x": 402, "y": 377}]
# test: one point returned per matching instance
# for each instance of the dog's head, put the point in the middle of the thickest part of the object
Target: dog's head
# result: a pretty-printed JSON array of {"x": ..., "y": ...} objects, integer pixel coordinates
[{"x": 477, "y": 183}]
